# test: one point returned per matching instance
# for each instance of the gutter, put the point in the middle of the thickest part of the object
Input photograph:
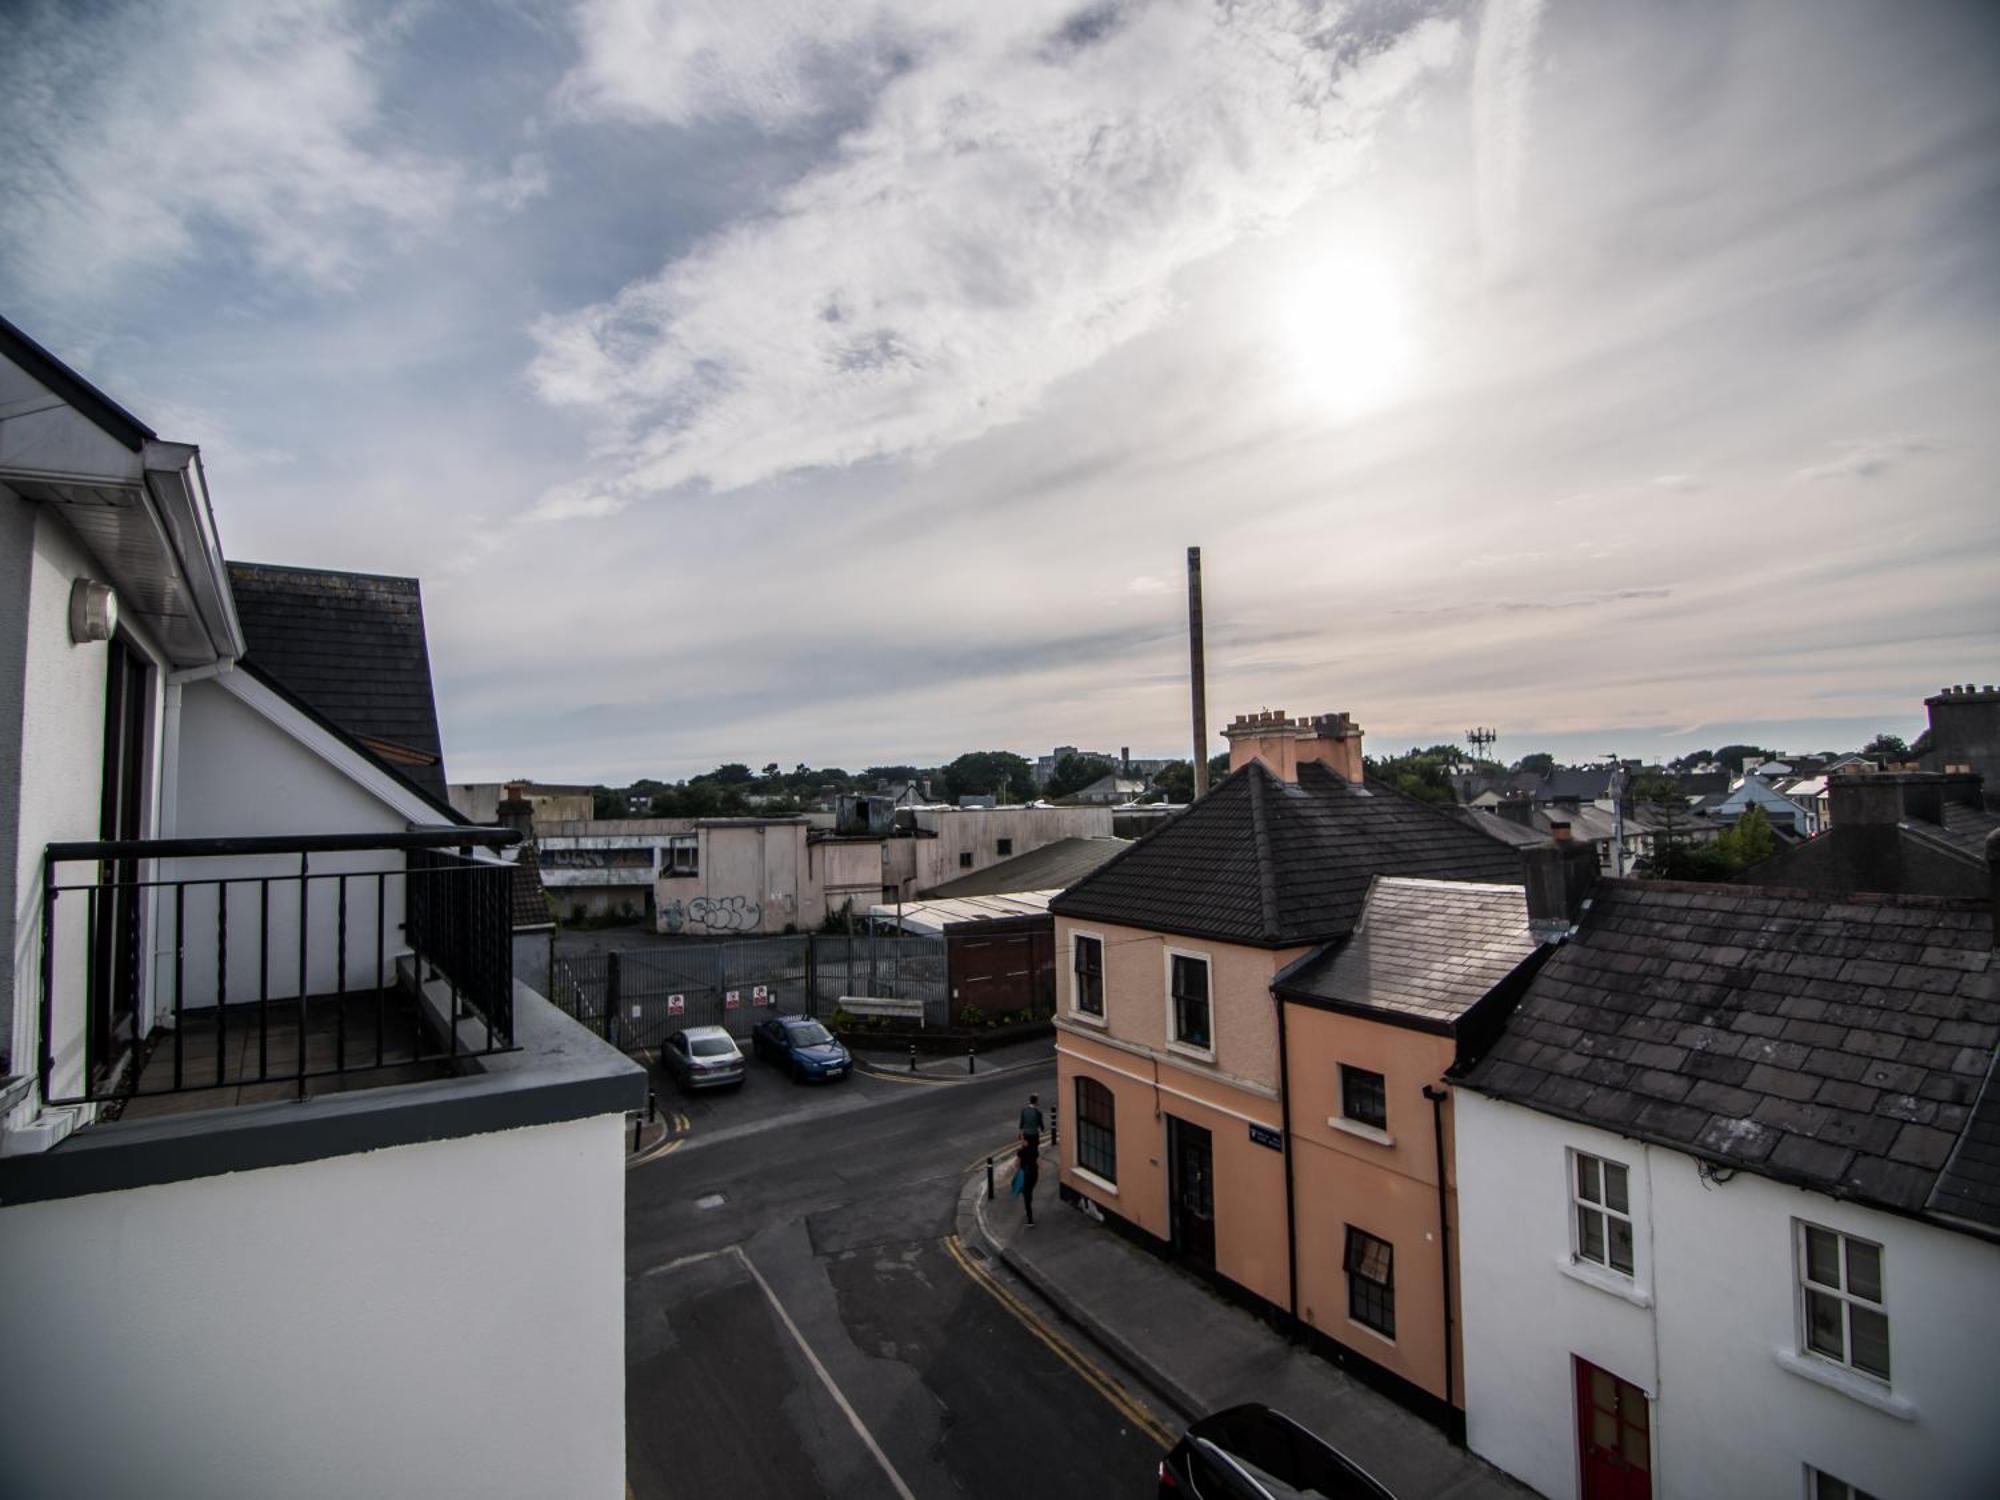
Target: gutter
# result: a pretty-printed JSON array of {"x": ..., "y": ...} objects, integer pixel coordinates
[
  {"x": 1437, "y": 1097},
  {"x": 1291, "y": 1191}
]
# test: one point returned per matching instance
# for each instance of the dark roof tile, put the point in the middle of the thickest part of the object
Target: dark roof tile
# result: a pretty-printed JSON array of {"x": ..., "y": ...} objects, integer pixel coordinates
[
  {"x": 1815, "y": 1038},
  {"x": 1265, "y": 862}
]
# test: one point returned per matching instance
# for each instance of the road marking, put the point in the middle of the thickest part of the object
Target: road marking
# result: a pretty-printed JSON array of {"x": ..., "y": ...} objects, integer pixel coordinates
[
  {"x": 891, "y": 1077},
  {"x": 1093, "y": 1377},
  {"x": 683, "y": 1128},
  {"x": 853, "y": 1417}
]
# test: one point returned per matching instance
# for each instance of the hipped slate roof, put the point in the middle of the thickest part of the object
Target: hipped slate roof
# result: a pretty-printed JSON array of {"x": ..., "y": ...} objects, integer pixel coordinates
[
  {"x": 1049, "y": 868},
  {"x": 1424, "y": 953},
  {"x": 1267, "y": 863},
  {"x": 350, "y": 647},
  {"x": 1838, "y": 1043},
  {"x": 528, "y": 900}
]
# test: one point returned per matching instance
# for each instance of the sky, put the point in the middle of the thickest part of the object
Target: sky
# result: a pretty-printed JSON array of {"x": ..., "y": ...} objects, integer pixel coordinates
[{"x": 842, "y": 382}]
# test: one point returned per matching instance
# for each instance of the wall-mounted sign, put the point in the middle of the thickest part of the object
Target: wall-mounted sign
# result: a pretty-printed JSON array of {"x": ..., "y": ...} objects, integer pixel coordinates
[
  {"x": 760, "y": 994},
  {"x": 1264, "y": 1135},
  {"x": 732, "y": 1000},
  {"x": 677, "y": 1005},
  {"x": 637, "y": 1012}
]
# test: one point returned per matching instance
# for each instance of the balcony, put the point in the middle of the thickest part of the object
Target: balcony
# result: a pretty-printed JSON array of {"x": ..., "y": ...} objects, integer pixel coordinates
[{"x": 187, "y": 974}]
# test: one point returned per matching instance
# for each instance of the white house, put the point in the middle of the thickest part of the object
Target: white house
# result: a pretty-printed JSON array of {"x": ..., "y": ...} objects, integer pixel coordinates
[
  {"x": 1752, "y": 791},
  {"x": 300, "y": 1192},
  {"x": 1729, "y": 1207}
]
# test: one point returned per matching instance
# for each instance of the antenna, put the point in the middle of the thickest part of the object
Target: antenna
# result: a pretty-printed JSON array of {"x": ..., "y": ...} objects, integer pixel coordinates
[{"x": 1481, "y": 741}]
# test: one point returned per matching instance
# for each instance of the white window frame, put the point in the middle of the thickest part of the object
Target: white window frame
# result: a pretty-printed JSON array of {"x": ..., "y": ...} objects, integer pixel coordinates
[
  {"x": 1077, "y": 1012},
  {"x": 1803, "y": 1287},
  {"x": 1579, "y": 1205},
  {"x": 1174, "y": 1043}
]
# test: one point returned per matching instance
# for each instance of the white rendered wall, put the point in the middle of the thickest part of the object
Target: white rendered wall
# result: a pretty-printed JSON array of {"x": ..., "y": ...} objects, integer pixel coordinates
[
  {"x": 240, "y": 775},
  {"x": 1716, "y": 1262},
  {"x": 1522, "y": 1317},
  {"x": 62, "y": 788},
  {"x": 441, "y": 1320}
]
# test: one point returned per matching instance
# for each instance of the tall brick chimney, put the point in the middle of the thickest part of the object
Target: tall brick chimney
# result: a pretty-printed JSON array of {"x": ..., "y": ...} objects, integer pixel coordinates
[{"x": 1284, "y": 744}]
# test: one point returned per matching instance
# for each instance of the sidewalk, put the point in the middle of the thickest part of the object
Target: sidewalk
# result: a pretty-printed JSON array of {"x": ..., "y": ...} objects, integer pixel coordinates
[
  {"x": 951, "y": 1068},
  {"x": 1201, "y": 1354}
]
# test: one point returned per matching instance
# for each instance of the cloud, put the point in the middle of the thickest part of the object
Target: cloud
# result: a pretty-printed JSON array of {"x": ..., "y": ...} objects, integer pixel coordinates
[
  {"x": 579, "y": 500},
  {"x": 1502, "y": 83},
  {"x": 135, "y": 134},
  {"x": 1146, "y": 585},
  {"x": 527, "y": 179},
  {"x": 1864, "y": 460},
  {"x": 1679, "y": 484},
  {"x": 1017, "y": 202}
]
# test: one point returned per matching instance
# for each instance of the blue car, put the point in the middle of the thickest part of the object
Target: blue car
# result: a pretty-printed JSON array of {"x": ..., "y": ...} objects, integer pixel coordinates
[{"x": 802, "y": 1046}]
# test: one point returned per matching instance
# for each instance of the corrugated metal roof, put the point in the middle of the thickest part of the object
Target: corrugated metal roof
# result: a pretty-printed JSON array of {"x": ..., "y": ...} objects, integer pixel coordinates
[{"x": 935, "y": 916}]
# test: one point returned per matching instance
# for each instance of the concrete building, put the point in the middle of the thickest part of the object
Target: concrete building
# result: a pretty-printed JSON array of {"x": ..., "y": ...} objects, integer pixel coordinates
[
  {"x": 303, "y": 1193},
  {"x": 479, "y": 801},
  {"x": 1730, "y": 1203},
  {"x": 1189, "y": 1090},
  {"x": 1965, "y": 732},
  {"x": 607, "y": 869},
  {"x": 747, "y": 875}
]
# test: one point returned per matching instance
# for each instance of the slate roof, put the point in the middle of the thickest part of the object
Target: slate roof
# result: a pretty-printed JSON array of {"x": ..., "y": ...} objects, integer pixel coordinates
[
  {"x": 1966, "y": 828},
  {"x": 529, "y": 900},
  {"x": 1424, "y": 952},
  {"x": 1506, "y": 830},
  {"x": 1838, "y": 1043},
  {"x": 1053, "y": 867},
  {"x": 350, "y": 647},
  {"x": 1264, "y": 862}
]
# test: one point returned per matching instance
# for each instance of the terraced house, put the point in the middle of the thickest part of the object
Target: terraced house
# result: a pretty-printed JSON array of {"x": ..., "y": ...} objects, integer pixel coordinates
[
  {"x": 1255, "y": 1016},
  {"x": 1730, "y": 1183}
]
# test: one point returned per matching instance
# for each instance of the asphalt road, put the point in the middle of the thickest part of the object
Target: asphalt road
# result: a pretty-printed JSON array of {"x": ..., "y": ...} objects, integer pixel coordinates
[{"x": 800, "y": 1322}]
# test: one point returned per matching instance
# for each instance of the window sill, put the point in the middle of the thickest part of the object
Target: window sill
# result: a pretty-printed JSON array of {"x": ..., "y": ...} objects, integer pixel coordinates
[
  {"x": 1094, "y": 1181},
  {"x": 1603, "y": 1279},
  {"x": 1087, "y": 1018},
  {"x": 1359, "y": 1130},
  {"x": 1862, "y": 1388},
  {"x": 1184, "y": 1050}
]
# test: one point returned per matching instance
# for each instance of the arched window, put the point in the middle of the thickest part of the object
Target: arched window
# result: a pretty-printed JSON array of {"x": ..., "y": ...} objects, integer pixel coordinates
[{"x": 1096, "y": 1130}]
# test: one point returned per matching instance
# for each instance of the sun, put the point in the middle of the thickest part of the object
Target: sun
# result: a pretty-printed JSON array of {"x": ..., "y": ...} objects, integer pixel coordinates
[{"x": 1345, "y": 336}]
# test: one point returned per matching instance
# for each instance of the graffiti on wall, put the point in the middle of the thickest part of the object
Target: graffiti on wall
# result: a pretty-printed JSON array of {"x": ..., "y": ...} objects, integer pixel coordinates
[{"x": 715, "y": 913}]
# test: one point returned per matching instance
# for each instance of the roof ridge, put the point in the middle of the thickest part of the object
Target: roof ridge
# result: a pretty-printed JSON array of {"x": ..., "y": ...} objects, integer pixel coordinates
[{"x": 1267, "y": 877}]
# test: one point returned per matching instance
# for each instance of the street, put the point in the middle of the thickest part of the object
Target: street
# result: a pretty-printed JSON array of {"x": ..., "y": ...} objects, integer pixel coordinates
[{"x": 801, "y": 1320}]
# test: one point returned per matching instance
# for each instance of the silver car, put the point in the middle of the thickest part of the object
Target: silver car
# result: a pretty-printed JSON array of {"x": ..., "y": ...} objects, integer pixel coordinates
[{"x": 703, "y": 1057}]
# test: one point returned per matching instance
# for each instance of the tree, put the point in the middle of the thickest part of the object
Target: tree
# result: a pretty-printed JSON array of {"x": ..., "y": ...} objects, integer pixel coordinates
[
  {"x": 1539, "y": 763},
  {"x": 1175, "y": 781},
  {"x": 1218, "y": 767},
  {"x": 1887, "y": 747},
  {"x": 1733, "y": 756},
  {"x": 1075, "y": 772},
  {"x": 605, "y": 803},
  {"x": 1750, "y": 842},
  {"x": 889, "y": 773},
  {"x": 733, "y": 774},
  {"x": 997, "y": 773},
  {"x": 1416, "y": 773}
]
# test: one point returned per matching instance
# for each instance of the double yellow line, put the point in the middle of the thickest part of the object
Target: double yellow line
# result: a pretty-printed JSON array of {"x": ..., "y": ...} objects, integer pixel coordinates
[
  {"x": 677, "y": 1137},
  {"x": 1089, "y": 1373}
]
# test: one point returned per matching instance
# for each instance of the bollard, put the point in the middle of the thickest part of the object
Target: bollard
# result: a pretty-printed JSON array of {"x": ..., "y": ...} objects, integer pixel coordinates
[
  {"x": 913, "y": 1057},
  {"x": 652, "y": 1106},
  {"x": 989, "y": 1179},
  {"x": 968, "y": 1057},
  {"x": 637, "y": 1125},
  {"x": 1055, "y": 1124}
]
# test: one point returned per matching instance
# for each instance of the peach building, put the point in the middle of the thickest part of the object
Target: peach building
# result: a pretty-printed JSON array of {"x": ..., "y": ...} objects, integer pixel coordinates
[{"x": 1254, "y": 1003}]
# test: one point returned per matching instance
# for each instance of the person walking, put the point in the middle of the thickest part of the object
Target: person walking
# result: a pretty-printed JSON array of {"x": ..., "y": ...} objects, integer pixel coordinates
[
  {"x": 1028, "y": 1161},
  {"x": 1031, "y": 1117}
]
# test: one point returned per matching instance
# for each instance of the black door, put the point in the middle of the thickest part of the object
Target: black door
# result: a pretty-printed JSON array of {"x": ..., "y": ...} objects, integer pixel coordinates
[
  {"x": 114, "y": 997},
  {"x": 1191, "y": 1192}
]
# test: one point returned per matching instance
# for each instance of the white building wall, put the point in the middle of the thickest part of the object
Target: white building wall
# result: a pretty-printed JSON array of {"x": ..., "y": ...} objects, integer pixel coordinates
[
  {"x": 978, "y": 831},
  {"x": 459, "y": 1304},
  {"x": 62, "y": 786},
  {"x": 1715, "y": 1263},
  {"x": 239, "y": 775}
]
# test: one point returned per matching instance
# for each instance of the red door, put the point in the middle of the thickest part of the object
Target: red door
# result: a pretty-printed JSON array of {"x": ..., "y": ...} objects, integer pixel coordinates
[{"x": 1614, "y": 1436}]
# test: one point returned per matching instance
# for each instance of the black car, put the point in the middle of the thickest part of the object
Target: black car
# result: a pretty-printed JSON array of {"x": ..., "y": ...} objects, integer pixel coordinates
[
  {"x": 802, "y": 1047},
  {"x": 1254, "y": 1453}
]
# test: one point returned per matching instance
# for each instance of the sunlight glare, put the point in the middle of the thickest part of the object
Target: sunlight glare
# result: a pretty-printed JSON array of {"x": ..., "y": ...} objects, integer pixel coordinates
[{"x": 1346, "y": 335}]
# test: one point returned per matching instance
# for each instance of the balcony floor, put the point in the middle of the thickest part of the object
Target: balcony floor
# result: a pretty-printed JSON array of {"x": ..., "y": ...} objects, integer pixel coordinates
[{"x": 247, "y": 1080}]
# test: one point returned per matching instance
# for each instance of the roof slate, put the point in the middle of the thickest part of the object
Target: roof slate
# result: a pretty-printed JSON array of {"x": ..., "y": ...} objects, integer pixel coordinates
[
  {"x": 1425, "y": 950},
  {"x": 351, "y": 647},
  {"x": 1967, "y": 828},
  {"x": 530, "y": 901},
  {"x": 1049, "y": 868},
  {"x": 1268, "y": 863},
  {"x": 1835, "y": 1042}
]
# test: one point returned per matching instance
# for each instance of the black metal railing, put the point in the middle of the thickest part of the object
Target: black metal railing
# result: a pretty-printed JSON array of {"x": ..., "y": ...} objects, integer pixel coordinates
[{"x": 183, "y": 964}]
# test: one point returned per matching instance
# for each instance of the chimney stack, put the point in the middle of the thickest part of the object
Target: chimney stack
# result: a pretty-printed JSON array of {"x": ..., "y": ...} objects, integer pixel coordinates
[
  {"x": 1284, "y": 744},
  {"x": 1559, "y": 878}
]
